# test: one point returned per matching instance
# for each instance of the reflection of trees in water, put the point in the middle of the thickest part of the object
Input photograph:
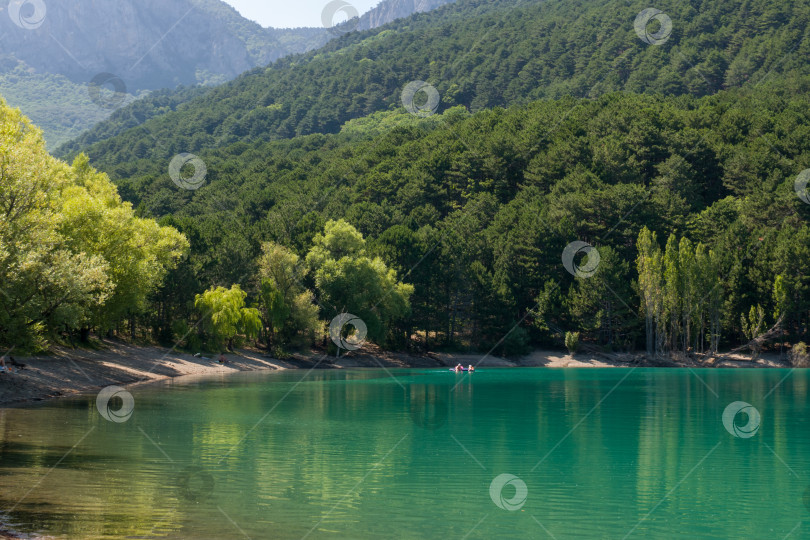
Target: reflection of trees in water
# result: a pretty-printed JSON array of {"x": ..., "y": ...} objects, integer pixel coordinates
[
  {"x": 328, "y": 445},
  {"x": 428, "y": 405}
]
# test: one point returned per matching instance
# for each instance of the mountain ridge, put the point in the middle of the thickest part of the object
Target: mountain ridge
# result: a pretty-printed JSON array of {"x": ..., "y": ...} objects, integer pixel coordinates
[
  {"x": 543, "y": 50},
  {"x": 137, "y": 46}
]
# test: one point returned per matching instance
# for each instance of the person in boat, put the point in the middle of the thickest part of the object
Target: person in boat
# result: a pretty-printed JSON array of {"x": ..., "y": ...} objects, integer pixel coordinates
[
  {"x": 459, "y": 367},
  {"x": 471, "y": 368}
]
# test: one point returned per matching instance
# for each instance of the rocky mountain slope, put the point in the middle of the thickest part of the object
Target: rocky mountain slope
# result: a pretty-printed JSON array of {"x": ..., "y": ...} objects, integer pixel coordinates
[
  {"x": 390, "y": 10},
  {"x": 148, "y": 44},
  {"x": 51, "y": 51}
]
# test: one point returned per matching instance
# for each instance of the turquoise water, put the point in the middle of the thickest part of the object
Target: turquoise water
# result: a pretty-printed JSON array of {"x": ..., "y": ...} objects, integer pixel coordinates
[{"x": 501, "y": 453}]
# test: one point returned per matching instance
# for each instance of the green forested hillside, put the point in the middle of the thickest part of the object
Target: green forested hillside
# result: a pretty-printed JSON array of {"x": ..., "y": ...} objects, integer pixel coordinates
[
  {"x": 154, "y": 104},
  {"x": 481, "y": 54},
  {"x": 680, "y": 162},
  {"x": 475, "y": 211},
  {"x": 61, "y": 108}
]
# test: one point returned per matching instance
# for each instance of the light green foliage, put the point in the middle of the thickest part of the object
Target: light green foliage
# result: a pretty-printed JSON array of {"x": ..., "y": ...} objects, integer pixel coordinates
[
  {"x": 781, "y": 296},
  {"x": 753, "y": 325},
  {"x": 680, "y": 290},
  {"x": 224, "y": 315},
  {"x": 72, "y": 254},
  {"x": 348, "y": 280},
  {"x": 673, "y": 286},
  {"x": 138, "y": 250},
  {"x": 338, "y": 240},
  {"x": 273, "y": 307},
  {"x": 288, "y": 310},
  {"x": 572, "y": 341},
  {"x": 383, "y": 121},
  {"x": 651, "y": 287},
  {"x": 708, "y": 289}
]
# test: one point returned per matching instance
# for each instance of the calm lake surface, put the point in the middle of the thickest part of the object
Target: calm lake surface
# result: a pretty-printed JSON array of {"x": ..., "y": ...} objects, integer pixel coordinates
[{"x": 419, "y": 453}]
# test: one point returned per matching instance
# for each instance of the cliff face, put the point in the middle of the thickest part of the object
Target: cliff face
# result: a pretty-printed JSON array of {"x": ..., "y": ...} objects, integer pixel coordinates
[
  {"x": 151, "y": 44},
  {"x": 50, "y": 50},
  {"x": 389, "y": 10}
]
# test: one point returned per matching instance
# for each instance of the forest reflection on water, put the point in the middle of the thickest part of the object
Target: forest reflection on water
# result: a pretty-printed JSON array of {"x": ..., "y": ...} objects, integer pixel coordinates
[{"x": 361, "y": 454}]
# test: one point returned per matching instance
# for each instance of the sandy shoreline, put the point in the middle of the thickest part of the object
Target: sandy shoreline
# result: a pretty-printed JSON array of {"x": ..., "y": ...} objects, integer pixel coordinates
[
  {"x": 68, "y": 372},
  {"x": 73, "y": 371}
]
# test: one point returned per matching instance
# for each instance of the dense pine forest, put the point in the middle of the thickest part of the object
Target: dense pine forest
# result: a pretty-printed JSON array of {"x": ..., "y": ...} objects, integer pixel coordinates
[
  {"x": 317, "y": 187},
  {"x": 475, "y": 210}
]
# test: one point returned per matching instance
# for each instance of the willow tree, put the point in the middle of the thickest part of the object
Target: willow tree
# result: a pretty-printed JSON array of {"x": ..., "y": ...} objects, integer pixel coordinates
[{"x": 224, "y": 316}]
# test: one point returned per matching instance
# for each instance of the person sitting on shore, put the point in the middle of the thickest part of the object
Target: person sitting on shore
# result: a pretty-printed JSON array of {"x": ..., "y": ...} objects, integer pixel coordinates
[
  {"x": 471, "y": 368},
  {"x": 3, "y": 367},
  {"x": 222, "y": 359}
]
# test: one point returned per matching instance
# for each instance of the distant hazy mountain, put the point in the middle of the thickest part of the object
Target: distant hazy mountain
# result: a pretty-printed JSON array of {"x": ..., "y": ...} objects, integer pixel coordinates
[
  {"x": 148, "y": 44},
  {"x": 51, "y": 50}
]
